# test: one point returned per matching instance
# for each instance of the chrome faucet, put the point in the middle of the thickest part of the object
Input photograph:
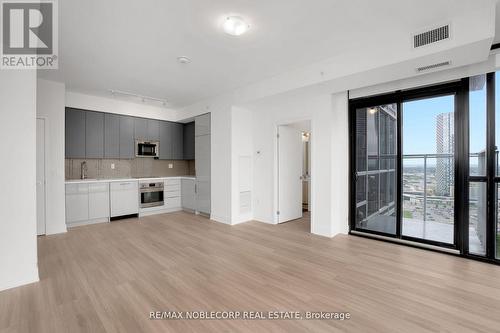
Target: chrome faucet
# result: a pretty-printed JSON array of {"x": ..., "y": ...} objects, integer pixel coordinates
[{"x": 83, "y": 170}]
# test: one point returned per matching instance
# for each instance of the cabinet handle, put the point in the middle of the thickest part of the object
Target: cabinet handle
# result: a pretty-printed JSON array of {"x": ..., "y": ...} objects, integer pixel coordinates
[{"x": 195, "y": 188}]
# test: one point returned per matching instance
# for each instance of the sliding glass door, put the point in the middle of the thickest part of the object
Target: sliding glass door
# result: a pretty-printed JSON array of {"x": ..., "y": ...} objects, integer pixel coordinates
[
  {"x": 425, "y": 166},
  {"x": 429, "y": 169},
  {"x": 404, "y": 162}
]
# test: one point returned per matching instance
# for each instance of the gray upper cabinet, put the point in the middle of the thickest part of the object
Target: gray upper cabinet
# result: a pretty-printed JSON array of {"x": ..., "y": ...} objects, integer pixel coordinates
[
  {"x": 166, "y": 152},
  {"x": 153, "y": 130},
  {"x": 177, "y": 141},
  {"x": 188, "y": 141},
  {"x": 94, "y": 134},
  {"x": 75, "y": 133},
  {"x": 127, "y": 142},
  {"x": 147, "y": 129},
  {"x": 202, "y": 124},
  {"x": 91, "y": 134},
  {"x": 171, "y": 141},
  {"x": 111, "y": 135},
  {"x": 140, "y": 128}
]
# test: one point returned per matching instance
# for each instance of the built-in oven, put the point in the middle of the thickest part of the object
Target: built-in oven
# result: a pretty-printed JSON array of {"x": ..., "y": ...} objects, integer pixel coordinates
[
  {"x": 151, "y": 194},
  {"x": 147, "y": 148}
]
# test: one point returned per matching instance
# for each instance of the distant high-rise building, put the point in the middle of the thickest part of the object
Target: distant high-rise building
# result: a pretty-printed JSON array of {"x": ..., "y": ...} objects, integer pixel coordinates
[{"x": 445, "y": 143}]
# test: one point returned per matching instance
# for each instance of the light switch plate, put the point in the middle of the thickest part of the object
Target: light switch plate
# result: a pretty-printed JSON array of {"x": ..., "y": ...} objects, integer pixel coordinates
[
  {"x": 112, "y": 166},
  {"x": 170, "y": 166}
]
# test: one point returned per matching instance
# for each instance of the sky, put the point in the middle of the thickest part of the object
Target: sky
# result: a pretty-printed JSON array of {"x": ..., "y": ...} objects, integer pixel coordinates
[{"x": 419, "y": 122}]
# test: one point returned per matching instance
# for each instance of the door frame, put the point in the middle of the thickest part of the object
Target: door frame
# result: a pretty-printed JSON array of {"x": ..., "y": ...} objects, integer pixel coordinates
[
  {"x": 46, "y": 137},
  {"x": 277, "y": 124},
  {"x": 457, "y": 88}
]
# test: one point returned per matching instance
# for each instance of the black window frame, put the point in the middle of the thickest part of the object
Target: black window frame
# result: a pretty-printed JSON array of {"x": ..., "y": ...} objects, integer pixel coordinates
[{"x": 460, "y": 89}]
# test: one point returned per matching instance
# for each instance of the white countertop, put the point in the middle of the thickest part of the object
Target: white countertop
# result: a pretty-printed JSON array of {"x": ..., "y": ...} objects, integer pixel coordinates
[{"x": 110, "y": 180}]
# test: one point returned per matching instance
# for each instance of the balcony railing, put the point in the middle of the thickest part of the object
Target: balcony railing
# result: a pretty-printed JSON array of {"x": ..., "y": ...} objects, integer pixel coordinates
[{"x": 443, "y": 163}]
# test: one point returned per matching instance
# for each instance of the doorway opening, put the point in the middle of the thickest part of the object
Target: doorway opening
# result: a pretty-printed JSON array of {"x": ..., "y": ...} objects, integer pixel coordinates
[{"x": 294, "y": 175}]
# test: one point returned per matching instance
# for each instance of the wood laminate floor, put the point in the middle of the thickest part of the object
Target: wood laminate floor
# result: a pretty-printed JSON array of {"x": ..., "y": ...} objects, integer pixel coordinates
[{"x": 108, "y": 277}]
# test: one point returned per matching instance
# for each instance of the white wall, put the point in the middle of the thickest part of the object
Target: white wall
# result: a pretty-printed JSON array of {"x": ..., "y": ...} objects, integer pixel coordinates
[
  {"x": 242, "y": 157},
  {"x": 329, "y": 158},
  {"x": 50, "y": 106},
  {"x": 340, "y": 164},
  {"x": 401, "y": 83},
  {"x": 243, "y": 130},
  {"x": 18, "y": 242},
  {"x": 119, "y": 106}
]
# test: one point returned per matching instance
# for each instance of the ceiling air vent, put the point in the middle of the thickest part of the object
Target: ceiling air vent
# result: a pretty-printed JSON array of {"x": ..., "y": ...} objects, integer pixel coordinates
[
  {"x": 433, "y": 66},
  {"x": 431, "y": 36}
]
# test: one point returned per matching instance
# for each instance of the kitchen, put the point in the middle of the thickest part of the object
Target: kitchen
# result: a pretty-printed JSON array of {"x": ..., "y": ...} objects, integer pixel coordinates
[{"x": 119, "y": 166}]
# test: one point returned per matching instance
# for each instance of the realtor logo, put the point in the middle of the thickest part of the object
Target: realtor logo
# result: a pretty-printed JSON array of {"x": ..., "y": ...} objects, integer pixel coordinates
[{"x": 29, "y": 34}]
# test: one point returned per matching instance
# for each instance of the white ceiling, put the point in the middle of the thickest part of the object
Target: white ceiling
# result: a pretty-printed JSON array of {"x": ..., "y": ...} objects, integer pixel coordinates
[{"x": 133, "y": 45}]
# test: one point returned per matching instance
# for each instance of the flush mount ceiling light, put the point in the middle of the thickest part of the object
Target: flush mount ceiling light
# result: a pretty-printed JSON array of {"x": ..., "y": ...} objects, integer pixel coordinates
[
  {"x": 235, "y": 26},
  {"x": 183, "y": 60}
]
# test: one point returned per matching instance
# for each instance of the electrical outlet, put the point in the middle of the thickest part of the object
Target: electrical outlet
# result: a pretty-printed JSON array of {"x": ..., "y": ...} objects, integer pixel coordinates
[
  {"x": 112, "y": 166},
  {"x": 170, "y": 166}
]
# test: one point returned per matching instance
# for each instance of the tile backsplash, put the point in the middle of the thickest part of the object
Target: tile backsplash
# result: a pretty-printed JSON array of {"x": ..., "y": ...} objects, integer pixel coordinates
[{"x": 139, "y": 167}]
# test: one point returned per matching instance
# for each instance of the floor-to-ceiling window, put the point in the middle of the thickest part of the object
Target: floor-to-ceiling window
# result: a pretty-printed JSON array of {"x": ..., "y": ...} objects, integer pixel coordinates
[
  {"x": 477, "y": 166},
  {"x": 426, "y": 168},
  {"x": 376, "y": 168}
]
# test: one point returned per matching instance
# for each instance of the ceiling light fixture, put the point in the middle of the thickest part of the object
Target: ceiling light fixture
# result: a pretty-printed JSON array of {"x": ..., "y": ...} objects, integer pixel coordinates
[
  {"x": 143, "y": 98},
  {"x": 183, "y": 60},
  {"x": 235, "y": 26}
]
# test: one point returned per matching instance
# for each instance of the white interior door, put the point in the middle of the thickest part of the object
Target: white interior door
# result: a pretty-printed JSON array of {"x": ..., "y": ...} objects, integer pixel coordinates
[
  {"x": 289, "y": 173},
  {"x": 40, "y": 176}
]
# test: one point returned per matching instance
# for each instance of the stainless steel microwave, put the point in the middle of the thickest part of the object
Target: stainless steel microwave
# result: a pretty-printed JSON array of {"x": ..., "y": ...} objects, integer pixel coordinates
[{"x": 147, "y": 148}]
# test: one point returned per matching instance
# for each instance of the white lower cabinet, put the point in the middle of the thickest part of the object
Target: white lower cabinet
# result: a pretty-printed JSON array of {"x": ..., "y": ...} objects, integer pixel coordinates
[
  {"x": 77, "y": 203},
  {"x": 95, "y": 202},
  {"x": 87, "y": 203},
  {"x": 124, "y": 198},
  {"x": 98, "y": 201},
  {"x": 172, "y": 194},
  {"x": 173, "y": 203}
]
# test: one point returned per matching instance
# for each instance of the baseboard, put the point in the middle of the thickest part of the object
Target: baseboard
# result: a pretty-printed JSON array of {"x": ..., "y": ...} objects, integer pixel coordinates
[
  {"x": 220, "y": 219},
  {"x": 160, "y": 211},
  {"x": 30, "y": 276},
  {"x": 57, "y": 231},
  {"x": 242, "y": 219},
  {"x": 264, "y": 221},
  {"x": 89, "y": 222},
  {"x": 324, "y": 233}
]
